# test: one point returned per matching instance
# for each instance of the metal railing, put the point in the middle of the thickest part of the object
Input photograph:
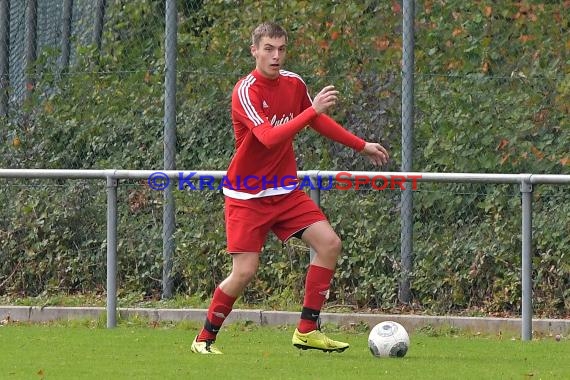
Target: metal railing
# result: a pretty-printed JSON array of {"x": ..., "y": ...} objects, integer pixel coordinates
[{"x": 112, "y": 177}]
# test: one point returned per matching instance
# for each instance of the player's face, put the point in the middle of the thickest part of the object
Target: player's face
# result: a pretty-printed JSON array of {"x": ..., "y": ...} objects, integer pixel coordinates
[{"x": 269, "y": 56}]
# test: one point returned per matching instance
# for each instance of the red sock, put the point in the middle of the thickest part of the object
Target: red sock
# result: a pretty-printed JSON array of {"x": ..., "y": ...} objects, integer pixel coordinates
[
  {"x": 317, "y": 285},
  {"x": 219, "y": 309}
]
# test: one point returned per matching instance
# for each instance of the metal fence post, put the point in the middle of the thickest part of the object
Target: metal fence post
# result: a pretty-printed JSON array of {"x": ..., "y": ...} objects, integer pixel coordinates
[
  {"x": 112, "y": 184},
  {"x": 526, "y": 272},
  {"x": 406, "y": 210},
  {"x": 31, "y": 45},
  {"x": 169, "y": 220},
  {"x": 66, "y": 34},
  {"x": 99, "y": 22},
  {"x": 4, "y": 56}
]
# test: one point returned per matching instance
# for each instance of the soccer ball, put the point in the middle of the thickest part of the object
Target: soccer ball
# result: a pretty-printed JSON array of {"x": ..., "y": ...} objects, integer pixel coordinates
[{"x": 388, "y": 339}]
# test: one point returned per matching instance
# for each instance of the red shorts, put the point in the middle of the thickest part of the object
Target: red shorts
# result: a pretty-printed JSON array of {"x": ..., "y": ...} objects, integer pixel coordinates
[{"x": 249, "y": 221}]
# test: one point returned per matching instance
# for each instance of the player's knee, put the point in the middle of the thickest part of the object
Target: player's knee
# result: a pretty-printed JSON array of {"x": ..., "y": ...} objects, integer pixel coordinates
[
  {"x": 333, "y": 245},
  {"x": 244, "y": 275},
  {"x": 337, "y": 245}
]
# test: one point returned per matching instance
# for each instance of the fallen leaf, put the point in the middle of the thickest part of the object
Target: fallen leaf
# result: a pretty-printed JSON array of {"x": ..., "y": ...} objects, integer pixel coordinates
[
  {"x": 537, "y": 152},
  {"x": 396, "y": 7},
  {"x": 382, "y": 43},
  {"x": 503, "y": 143}
]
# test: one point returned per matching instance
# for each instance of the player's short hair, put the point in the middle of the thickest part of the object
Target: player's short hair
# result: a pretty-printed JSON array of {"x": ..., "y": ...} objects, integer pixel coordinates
[{"x": 267, "y": 29}]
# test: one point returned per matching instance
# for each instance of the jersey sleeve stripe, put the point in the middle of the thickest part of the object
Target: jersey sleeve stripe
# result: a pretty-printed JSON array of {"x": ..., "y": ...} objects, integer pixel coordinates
[
  {"x": 291, "y": 74},
  {"x": 245, "y": 101},
  {"x": 297, "y": 76}
]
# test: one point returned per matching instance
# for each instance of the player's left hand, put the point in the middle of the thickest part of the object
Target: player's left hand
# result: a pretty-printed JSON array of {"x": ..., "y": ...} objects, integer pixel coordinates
[{"x": 376, "y": 153}]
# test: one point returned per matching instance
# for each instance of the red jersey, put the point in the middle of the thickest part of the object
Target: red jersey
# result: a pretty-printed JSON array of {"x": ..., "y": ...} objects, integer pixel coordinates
[{"x": 266, "y": 115}]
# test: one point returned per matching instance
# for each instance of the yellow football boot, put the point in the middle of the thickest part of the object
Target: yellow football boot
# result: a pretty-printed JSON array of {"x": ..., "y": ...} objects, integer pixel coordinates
[
  {"x": 206, "y": 347},
  {"x": 316, "y": 340}
]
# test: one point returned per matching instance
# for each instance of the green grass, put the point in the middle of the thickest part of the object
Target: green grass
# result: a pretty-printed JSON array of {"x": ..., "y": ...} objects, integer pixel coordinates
[{"x": 141, "y": 350}]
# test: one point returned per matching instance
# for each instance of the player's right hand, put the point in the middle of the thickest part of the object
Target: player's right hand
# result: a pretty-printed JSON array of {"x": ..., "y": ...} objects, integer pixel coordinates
[{"x": 325, "y": 99}]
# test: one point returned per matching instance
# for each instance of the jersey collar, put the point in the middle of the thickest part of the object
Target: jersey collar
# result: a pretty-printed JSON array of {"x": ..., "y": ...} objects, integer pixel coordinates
[{"x": 264, "y": 80}]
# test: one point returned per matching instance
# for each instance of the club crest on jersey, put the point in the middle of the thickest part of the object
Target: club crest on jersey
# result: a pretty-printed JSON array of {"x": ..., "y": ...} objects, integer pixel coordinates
[{"x": 283, "y": 120}]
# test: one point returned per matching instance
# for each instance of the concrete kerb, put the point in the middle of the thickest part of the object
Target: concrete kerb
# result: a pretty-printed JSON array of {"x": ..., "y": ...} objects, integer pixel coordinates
[{"x": 483, "y": 325}]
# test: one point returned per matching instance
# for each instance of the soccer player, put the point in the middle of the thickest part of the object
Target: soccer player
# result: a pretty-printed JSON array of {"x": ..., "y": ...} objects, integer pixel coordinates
[{"x": 269, "y": 106}]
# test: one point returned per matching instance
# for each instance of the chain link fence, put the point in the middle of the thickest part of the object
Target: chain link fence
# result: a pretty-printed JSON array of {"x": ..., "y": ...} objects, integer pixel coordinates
[{"x": 31, "y": 58}]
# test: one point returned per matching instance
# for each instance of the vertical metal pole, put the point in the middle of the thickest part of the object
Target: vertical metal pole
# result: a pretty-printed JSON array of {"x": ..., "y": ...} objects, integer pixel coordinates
[
  {"x": 111, "y": 252},
  {"x": 315, "y": 194},
  {"x": 66, "y": 33},
  {"x": 406, "y": 210},
  {"x": 526, "y": 272},
  {"x": 31, "y": 44},
  {"x": 4, "y": 56},
  {"x": 99, "y": 22},
  {"x": 168, "y": 226}
]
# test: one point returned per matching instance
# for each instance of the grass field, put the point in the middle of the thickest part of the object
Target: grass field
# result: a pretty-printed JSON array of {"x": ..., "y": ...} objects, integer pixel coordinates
[{"x": 142, "y": 350}]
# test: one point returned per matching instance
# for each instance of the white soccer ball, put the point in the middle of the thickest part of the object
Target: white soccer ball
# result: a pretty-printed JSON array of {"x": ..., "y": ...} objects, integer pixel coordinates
[{"x": 388, "y": 339}]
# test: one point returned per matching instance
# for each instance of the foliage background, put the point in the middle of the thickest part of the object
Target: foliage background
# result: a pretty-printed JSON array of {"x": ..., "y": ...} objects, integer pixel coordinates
[{"x": 492, "y": 95}]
